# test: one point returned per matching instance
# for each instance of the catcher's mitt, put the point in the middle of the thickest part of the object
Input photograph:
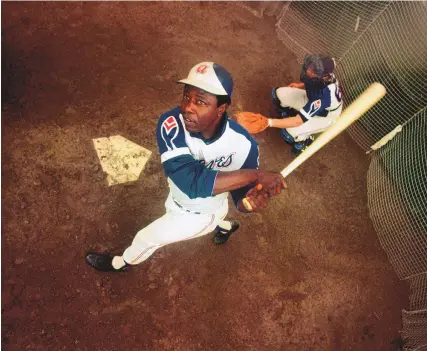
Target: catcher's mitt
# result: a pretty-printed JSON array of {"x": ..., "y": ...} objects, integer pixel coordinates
[{"x": 253, "y": 122}]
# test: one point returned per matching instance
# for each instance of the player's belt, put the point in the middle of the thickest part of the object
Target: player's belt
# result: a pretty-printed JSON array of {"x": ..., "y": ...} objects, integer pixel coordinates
[{"x": 185, "y": 208}]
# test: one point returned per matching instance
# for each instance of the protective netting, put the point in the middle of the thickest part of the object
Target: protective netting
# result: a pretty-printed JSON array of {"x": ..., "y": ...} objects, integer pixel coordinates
[
  {"x": 418, "y": 297},
  {"x": 414, "y": 321},
  {"x": 414, "y": 330},
  {"x": 267, "y": 8},
  {"x": 397, "y": 201},
  {"x": 397, "y": 195},
  {"x": 384, "y": 42}
]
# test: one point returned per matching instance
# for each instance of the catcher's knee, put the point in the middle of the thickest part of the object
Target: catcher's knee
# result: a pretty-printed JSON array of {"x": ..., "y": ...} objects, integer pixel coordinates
[{"x": 285, "y": 111}]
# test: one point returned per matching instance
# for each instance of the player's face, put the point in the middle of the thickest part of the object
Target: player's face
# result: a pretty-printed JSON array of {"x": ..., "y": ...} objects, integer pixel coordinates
[{"x": 200, "y": 111}]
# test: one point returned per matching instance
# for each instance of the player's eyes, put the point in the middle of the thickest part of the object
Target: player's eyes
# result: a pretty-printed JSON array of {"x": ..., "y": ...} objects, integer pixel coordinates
[{"x": 198, "y": 102}]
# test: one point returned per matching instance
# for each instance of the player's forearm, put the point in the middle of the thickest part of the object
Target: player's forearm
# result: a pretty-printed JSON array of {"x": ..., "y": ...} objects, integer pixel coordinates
[
  {"x": 289, "y": 122},
  {"x": 228, "y": 181}
]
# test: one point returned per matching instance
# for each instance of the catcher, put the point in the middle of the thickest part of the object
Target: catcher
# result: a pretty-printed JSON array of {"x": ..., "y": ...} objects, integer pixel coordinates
[{"x": 306, "y": 108}]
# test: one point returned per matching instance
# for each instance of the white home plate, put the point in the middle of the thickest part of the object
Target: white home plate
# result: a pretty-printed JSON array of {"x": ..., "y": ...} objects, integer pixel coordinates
[{"x": 120, "y": 158}]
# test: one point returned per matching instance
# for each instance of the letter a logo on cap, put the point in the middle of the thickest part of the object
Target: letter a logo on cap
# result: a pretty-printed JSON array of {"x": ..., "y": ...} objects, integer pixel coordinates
[
  {"x": 202, "y": 69},
  {"x": 210, "y": 77}
]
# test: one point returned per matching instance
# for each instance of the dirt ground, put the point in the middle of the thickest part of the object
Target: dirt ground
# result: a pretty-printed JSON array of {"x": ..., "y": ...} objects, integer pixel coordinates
[{"x": 307, "y": 274}]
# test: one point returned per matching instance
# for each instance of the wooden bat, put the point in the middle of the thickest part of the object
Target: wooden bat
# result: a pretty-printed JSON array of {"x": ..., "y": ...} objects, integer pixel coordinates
[{"x": 374, "y": 93}]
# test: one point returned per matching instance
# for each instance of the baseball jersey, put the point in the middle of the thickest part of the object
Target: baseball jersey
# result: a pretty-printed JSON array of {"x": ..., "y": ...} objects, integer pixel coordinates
[
  {"x": 192, "y": 163},
  {"x": 321, "y": 101}
]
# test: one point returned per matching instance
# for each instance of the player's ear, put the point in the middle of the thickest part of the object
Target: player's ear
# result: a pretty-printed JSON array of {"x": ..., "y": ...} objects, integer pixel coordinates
[
  {"x": 223, "y": 101},
  {"x": 222, "y": 108}
]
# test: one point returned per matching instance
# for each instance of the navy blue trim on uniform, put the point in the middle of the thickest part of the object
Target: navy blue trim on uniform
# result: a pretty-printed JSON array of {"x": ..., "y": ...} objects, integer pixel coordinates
[
  {"x": 313, "y": 95},
  {"x": 323, "y": 113},
  {"x": 304, "y": 119},
  {"x": 170, "y": 131},
  {"x": 190, "y": 176},
  {"x": 251, "y": 162}
]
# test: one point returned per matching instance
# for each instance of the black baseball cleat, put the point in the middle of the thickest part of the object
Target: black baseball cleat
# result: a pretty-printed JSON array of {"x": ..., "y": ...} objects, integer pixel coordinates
[
  {"x": 103, "y": 262},
  {"x": 221, "y": 236},
  {"x": 299, "y": 147}
]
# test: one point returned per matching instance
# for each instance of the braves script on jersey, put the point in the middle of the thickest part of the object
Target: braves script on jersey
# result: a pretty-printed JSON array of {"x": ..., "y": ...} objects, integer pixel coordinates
[{"x": 191, "y": 163}]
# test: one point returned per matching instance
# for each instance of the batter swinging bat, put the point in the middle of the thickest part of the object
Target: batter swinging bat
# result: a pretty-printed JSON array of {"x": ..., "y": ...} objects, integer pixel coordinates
[{"x": 352, "y": 113}]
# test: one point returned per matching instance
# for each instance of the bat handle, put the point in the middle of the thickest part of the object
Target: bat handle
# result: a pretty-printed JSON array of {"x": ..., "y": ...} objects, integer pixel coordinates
[{"x": 245, "y": 201}]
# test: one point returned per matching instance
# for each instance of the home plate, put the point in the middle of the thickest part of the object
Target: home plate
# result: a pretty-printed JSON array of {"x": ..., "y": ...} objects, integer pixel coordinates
[{"x": 121, "y": 159}]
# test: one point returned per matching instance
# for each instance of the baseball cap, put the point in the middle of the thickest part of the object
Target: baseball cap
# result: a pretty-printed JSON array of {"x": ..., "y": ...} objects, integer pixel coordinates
[{"x": 211, "y": 77}]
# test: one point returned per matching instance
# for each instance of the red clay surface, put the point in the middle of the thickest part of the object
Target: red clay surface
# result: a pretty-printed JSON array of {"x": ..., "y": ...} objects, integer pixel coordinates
[{"x": 307, "y": 274}]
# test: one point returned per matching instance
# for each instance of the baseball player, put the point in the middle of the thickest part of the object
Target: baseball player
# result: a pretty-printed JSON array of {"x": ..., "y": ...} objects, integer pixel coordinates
[
  {"x": 205, "y": 156},
  {"x": 308, "y": 107}
]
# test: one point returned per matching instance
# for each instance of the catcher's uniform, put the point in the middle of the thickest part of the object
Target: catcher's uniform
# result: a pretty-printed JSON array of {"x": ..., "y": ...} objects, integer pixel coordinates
[
  {"x": 318, "y": 108},
  {"x": 191, "y": 164}
]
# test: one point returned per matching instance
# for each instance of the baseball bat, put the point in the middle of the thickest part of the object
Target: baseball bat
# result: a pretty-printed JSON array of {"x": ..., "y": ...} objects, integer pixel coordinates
[{"x": 374, "y": 93}]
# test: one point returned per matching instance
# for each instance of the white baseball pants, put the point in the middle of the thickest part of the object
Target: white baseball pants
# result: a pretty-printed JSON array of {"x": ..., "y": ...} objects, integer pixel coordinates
[
  {"x": 296, "y": 99},
  {"x": 176, "y": 225}
]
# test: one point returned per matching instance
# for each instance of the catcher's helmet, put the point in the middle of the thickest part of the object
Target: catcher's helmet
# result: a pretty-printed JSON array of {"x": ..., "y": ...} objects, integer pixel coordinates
[{"x": 319, "y": 64}]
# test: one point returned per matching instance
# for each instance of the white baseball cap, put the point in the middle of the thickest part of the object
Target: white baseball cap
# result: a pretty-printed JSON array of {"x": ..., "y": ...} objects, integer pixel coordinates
[{"x": 211, "y": 77}]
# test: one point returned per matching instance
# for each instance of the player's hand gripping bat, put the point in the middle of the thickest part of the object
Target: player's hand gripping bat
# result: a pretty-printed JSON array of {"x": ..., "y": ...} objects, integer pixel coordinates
[{"x": 352, "y": 113}]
